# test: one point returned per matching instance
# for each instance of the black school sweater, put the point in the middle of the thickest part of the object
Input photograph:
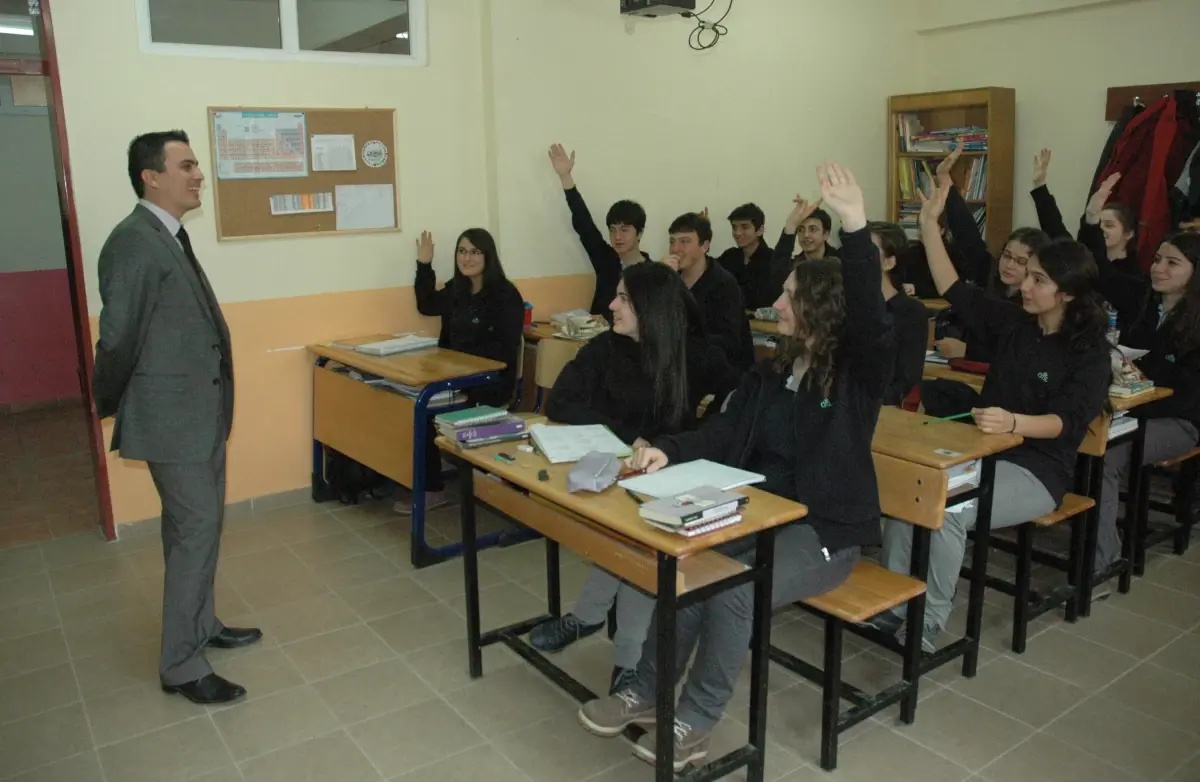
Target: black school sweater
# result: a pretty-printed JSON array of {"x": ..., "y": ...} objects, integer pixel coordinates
[
  {"x": 1139, "y": 314},
  {"x": 488, "y": 324},
  {"x": 1036, "y": 374},
  {"x": 604, "y": 258},
  {"x": 827, "y": 437},
  {"x": 910, "y": 321},
  {"x": 605, "y": 384},
  {"x": 720, "y": 301},
  {"x": 1051, "y": 220},
  {"x": 753, "y": 276},
  {"x": 783, "y": 261}
]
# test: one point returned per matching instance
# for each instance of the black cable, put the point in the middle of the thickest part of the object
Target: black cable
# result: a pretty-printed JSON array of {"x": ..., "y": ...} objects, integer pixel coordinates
[{"x": 696, "y": 39}]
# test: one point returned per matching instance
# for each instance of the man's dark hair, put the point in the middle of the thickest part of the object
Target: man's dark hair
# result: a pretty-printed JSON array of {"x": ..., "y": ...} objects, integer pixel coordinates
[
  {"x": 692, "y": 222},
  {"x": 749, "y": 213},
  {"x": 823, "y": 216},
  {"x": 148, "y": 151},
  {"x": 627, "y": 213}
]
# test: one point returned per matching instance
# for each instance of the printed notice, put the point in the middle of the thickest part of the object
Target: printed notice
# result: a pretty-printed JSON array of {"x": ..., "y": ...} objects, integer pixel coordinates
[
  {"x": 260, "y": 144},
  {"x": 362, "y": 207},
  {"x": 334, "y": 152},
  {"x": 301, "y": 204}
]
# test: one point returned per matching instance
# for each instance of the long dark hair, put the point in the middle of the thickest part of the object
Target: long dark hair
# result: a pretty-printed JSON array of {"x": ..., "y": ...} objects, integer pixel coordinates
[
  {"x": 1073, "y": 269},
  {"x": 659, "y": 299},
  {"x": 820, "y": 309},
  {"x": 493, "y": 272},
  {"x": 1185, "y": 317},
  {"x": 1034, "y": 239},
  {"x": 1129, "y": 222}
]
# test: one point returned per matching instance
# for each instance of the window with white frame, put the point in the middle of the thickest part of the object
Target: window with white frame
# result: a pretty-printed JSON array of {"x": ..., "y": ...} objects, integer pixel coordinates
[{"x": 376, "y": 32}]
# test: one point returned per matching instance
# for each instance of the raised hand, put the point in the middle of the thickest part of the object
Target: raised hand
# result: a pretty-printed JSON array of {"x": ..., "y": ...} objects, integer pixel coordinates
[
  {"x": 1101, "y": 197},
  {"x": 802, "y": 210},
  {"x": 704, "y": 213},
  {"x": 425, "y": 248},
  {"x": 932, "y": 207},
  {"x": 947, "y": 165},
  {"x": 1041, "y": 162},
  {"x": 840, "y": 190},
  {"x": 563, "y": 163}
]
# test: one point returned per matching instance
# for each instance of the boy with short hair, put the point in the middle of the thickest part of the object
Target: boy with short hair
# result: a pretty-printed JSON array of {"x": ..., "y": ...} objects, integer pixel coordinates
[{"x": 749, "y": 260}]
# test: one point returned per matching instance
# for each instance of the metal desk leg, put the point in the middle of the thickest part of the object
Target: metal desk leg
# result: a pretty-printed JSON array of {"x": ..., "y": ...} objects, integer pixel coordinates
[
  {"x": 466, "y": 482},
  {"x": 1135, "y": 522},
  {"x": 553, "y": 580},
  {"x": 321, "y": 490},
  {"x": 979, "y": 558},
  {"x": 760, "y": 650},
  {"x": 914, "y": 616},
  {"x": 664, "y": 687}
]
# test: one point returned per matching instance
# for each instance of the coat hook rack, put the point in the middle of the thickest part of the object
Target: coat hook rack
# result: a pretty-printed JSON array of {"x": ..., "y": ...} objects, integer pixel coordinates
[{"x": 1120, "y": 97}]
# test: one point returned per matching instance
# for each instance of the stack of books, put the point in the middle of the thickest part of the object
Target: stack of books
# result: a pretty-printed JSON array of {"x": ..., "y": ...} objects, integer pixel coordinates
[
  {"x": 1128, "y": 380},
  {"x": 697, "y": 512},
  {"x": 914, "y": 137},
  {"x": 475, "y": 427}
]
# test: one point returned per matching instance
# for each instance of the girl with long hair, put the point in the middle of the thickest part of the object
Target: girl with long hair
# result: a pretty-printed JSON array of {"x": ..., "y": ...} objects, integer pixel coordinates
[
  {"x": 1160, "y": 314},
  {"x": 482, "y": 314},
  {"x": 644, "y": 379},
  {"x": 805, "y": 421},
  {"x": 1048, "y": 380}
]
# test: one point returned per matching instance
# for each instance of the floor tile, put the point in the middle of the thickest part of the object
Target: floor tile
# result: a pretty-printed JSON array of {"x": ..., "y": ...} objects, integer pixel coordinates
[
  {"x": 1160, "y": 693},
  {"x": 43, "y": 739},
  {"x": 939, "y": 728},
  {"x": 446, "y": 580},
  {"x": 31, "y": 588},
  {"x": 1079, "y": 661},
  {"x": 276, "y": 721},
  {"x": 28, "y": 619},
  {"x": 1188, "y": 772},
  {"x": 419, "y": 627},
  {"x": 336, "y": 652},
  {"x": 481, "y": 763},
  {"x": 284, "y": 624},
  {"x": 21, "y": 561},
  {"x": 509, "y": 700},
  {"x": 1021, "y": 692},
  {"x": 1176, "y": 574},
  {"x": 404, "y": 740},
  {"x": 372, "y": 691},
  {"x": 262, "y": 670},
  {"x": 37, "y": 691},
  {"x": 1181, "y": 656},
  {"x": 1122, "y": 630},
  {"x": 84, "y": 767},
  {"x": 502, "y": 605},
  {"x": 1161, "y": 604},
  {"x": 560, "y": 750},
  {"x": 121, "y": 715},
  {"x": 387, "y": 597},
  {"x": 444, "y": 666},
  {"x": 117, "y": 669},
  {"x": 367, "y": 568},
  {"x": 1046, "y": 759},
  {"x": 32, "y": 652},
  {"x": 332, "y": 757},
  {"x": 322, "y": 551},
  {"x": 1115, "y": 734},
  {"x": 884, "y": 754},
  {"x": 191, "y": 751}
]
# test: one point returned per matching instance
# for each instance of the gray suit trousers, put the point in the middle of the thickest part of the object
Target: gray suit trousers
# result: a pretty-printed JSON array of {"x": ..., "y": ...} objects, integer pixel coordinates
[{"x": 193, "y": 501}]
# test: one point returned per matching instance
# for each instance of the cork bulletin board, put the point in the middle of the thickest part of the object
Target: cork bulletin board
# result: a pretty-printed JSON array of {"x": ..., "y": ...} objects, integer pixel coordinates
[{"x": 286, "y": 172}]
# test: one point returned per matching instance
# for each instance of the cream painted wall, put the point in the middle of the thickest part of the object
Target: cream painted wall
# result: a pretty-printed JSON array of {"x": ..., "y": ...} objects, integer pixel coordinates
[
  {"x": 112, "y": 91},
  {"x": 1061, "y": 65},
  {"x": 677, "y": 130}
]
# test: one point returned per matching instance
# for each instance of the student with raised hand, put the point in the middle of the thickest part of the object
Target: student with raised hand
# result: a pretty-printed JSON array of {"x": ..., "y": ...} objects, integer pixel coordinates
[
  {"x": 482, "y": 314},
  {"x": 813, "y": 224},
  {"x": 1117, "y": 221},
  {"x": 910, "y": 319},
  {"x": 1160, "y": 314},
  {"x": 626, "y": 220},
  {"x": 715, "y": 290},
  {"x": 749, "y": 260},
  {"x": 644, "y": 379},
  {"x": 806, "y": 422},
  {"x": 1048, "y": 381}
]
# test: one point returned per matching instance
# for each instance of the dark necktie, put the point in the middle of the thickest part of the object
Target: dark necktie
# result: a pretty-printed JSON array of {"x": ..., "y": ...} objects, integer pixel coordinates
[{"x": 209, "y": 296}]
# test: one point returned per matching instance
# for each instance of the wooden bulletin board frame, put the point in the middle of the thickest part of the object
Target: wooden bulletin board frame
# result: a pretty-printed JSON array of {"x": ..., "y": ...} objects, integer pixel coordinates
[{"x": 243, "y": 206}]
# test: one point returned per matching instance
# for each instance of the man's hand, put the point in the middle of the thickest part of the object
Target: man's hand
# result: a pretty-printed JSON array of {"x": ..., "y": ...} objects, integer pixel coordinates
[
  {"x": 425, "y": 248},
  {"x": 563, "y": 165},
  {"x": 947, "y": 165},
  {"x": 802, "y": 210},
  {"x": 840, "y": 190},
  {"x": 671, "y": 261},
  {"x": 1041, "y": 162}
]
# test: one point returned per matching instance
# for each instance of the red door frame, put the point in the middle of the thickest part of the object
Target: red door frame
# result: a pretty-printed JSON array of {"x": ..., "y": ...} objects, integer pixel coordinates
[{"x": 48, "y": 67}]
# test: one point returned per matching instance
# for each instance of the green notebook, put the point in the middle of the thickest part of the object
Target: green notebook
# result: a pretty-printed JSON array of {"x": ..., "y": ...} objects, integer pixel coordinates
[{"x": 471, "y": 416}]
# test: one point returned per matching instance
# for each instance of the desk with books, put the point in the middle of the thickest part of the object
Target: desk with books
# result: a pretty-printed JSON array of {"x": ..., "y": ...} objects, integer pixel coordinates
[
  {"x": 606, "y": 528},
  {"x": 384, "y": 428}
]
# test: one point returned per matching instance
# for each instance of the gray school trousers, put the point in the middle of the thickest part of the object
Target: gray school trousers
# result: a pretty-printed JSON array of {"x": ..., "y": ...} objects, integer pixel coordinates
[
  {"x": 722, "y": 625},
  {"x": 1017, "y": 497},
  {"x": 634, "y": 610},
  {"x": 1165, "y": 439}
]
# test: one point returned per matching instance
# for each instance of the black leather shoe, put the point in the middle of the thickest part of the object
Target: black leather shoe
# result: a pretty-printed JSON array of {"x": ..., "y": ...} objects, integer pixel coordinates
[
  {"x": 235, "y": 637},
  {"x": 208, "y": 690}
]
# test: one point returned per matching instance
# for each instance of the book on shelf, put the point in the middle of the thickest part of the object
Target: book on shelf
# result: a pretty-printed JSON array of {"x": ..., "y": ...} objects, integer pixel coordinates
[
  {"x": 701, "y": 505},
  {"x": 915, "y": 138}
]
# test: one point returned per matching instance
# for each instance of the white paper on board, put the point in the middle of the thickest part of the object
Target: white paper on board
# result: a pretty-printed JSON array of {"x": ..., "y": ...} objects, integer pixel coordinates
[
  {"x": 334, "y": 152},
  {"x": 361, "y": 207}
]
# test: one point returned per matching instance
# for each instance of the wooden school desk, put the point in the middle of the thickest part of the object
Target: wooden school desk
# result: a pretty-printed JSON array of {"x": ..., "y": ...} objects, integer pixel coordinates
[
  {"x": 935, "y": 305},
  {"x": 385, "y": 430},
  {"x": 605, "y": 528}
]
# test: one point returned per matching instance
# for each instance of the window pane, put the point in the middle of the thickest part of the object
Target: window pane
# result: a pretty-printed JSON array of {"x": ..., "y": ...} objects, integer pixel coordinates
[
  {"x": 17, "y": 31},
  {"x": 247, "y": 23},
  {"x": 372, "y": 26}
]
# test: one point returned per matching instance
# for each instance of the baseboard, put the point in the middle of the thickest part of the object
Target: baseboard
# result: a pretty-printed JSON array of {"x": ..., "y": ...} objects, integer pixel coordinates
[
  {"x": 233, "y": 510},
  {"x": 16, "y": 408}
]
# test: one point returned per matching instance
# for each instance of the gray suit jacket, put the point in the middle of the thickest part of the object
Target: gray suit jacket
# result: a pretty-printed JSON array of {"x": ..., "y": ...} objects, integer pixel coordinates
[{"x": 164, "y": 365}]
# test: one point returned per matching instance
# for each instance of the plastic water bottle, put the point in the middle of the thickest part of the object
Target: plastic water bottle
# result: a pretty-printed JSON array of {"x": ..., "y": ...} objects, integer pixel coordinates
[{"x": 1114, "y": 333}]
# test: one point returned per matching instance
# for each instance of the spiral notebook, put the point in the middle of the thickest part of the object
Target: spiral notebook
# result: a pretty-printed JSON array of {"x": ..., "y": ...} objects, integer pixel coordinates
[{"x": 689, "y": 476}]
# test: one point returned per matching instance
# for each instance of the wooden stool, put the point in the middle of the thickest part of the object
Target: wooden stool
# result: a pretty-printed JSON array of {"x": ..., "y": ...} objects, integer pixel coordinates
[{"x": 1185, "y": 468}]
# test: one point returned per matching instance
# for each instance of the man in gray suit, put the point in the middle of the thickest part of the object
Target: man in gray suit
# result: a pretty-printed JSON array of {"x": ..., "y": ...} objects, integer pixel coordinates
[{"x": 164, "y": 367}]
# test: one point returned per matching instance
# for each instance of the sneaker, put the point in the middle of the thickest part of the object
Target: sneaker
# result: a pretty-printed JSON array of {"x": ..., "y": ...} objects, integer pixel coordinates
[
  {"x": 928, "y": 638},
  {"x": 557, "y": 634},
  {"x": 691, "y": 746},
  {"x": 433, "y": 501},
  {"x": 1101, "y": 592},
  {"x": 888, "y": 623},
  {"x": 609, "y": 717},
  {"x": 622, "y": 679}
]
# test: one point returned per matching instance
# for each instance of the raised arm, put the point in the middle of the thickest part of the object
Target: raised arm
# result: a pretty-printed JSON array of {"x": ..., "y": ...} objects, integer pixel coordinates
[
  {"x": 1049, "y": 216},
  {"x": 129, "y": 289},
  {"x": 430, "y": 301},
  {"x": 590, "y": 236},
  {"x": 1127, "y": 293},
  {"x": 976, "y": 257}
]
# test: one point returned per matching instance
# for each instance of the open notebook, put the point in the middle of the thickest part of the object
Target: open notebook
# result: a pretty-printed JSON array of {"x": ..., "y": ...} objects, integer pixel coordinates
[
  {"x": 687, "y": 476},
  {"x": 563, "y": 444}
]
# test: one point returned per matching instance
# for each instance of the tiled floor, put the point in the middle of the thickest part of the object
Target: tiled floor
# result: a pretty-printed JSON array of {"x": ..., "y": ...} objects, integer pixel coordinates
[
  {"x": 362, "y": 676},
  {"x": 46, "y": 471}
]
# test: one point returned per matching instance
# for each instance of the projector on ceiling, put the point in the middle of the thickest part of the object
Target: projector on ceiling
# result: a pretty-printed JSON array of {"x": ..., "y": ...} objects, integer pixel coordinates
[{"x": 657, "y": 7}]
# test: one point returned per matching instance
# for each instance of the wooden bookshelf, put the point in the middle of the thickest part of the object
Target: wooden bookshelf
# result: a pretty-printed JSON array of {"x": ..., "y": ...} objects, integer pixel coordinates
[{"x": 991, "y": 108}]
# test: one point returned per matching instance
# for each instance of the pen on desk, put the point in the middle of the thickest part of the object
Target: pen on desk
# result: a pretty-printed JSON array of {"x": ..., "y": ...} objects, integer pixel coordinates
[
  {"x": 634, "y": 497},
  {"x": 949, "y": 418}
]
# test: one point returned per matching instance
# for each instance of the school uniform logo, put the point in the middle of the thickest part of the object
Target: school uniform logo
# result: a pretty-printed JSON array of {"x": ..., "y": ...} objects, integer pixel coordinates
[
  {"x": 1044, "y": 377},
  {"x": 826, "y": 404},
  {"x": 1171, "y": 357}
]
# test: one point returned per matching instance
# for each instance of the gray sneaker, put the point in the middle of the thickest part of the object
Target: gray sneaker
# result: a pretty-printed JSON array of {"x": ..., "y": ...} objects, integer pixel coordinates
[
  {"x": 928, "y": 638},
  {"x": 691, "y": 746},
  {"x": 888, "y": 623},
  {"x": 609, "y": 717}
]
